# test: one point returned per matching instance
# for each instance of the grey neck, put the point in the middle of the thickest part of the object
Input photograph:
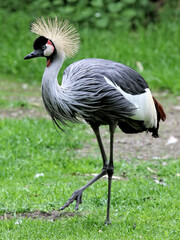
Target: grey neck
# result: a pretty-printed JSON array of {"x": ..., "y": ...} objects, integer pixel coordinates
[
  {"x": 49, "y": 79},
  {"x": 51, "y": 90},
  {"x": 56, "y": 100}
]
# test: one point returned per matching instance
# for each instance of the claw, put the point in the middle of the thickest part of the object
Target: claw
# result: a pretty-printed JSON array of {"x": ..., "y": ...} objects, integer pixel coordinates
[
  {"x": 77, "y": 195},
  {"x": 78, "y": 201}
]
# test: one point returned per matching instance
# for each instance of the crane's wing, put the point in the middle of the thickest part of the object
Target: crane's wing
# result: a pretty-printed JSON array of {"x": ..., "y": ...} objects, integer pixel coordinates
[
  {"x": 123, "y": 76},
  {"x": 107, "y": 90}
]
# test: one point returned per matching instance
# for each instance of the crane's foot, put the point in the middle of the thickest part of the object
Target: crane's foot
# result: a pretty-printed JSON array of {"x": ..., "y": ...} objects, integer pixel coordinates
[
  {"x": 107, "y": 222},
  {"x": 77, "y": 195}
]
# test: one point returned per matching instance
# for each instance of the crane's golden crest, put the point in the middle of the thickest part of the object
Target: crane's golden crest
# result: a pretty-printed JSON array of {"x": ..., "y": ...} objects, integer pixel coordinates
[{"x": 60, "y": 32}]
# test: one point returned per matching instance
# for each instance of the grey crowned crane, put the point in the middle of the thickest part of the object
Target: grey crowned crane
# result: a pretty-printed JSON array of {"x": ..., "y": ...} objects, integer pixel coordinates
[{"x": 101, "y": 92}]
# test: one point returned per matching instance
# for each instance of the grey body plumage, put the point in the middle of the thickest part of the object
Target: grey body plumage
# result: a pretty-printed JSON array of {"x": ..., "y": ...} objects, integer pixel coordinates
[
  {"x": 97, "y": 90},
  {"x": 84, "y": 93}
]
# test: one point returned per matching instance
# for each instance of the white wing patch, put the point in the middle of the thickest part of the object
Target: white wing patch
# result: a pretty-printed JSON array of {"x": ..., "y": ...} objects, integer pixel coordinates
[{"x": 143, "y": 102}]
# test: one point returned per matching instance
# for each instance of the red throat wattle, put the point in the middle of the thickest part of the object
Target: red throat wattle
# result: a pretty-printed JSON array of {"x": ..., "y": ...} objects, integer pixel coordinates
[{"x": 48, "y": 62}]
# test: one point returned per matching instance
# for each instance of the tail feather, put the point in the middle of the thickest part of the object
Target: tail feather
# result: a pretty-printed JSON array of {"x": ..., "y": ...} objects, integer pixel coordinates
[
  {"x": 134, "y": 126},
  {"x": 160, "y": 110},
  {"x": 160, "y": 116},
  {"x": 131, "y": 126}
]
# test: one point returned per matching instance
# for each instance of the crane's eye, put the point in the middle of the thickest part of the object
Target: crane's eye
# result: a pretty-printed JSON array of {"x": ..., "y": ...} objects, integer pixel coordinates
[{"x": 43, "y": 47}]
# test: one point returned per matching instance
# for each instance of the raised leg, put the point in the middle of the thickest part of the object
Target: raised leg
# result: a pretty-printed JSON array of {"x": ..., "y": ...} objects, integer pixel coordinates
[
  {"x": 110, "y": 171},
  {"x": 77, "y": 195}
]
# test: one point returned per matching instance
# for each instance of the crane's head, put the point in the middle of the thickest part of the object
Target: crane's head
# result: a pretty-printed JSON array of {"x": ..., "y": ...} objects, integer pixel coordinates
[
  {"x": 43, "y": 47},
  {"x": 56, "y": 37}
]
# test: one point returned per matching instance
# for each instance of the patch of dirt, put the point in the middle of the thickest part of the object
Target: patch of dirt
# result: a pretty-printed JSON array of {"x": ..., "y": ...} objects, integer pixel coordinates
[
  {"x": 24, "y": 112},
  {"x": 49, "y": 216},
  {"x": 35, "y": 109}
]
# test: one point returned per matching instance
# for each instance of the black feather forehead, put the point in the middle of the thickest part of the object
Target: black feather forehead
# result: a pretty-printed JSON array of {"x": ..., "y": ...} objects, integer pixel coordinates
[{"x": 40, "y": 41}]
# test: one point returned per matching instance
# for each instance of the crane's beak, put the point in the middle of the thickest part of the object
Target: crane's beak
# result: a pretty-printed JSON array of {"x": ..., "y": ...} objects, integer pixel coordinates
[{"x": 35, "y": 53}]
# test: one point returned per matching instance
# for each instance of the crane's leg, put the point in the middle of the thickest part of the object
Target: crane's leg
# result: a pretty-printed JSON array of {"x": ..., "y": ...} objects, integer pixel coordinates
[
  {"x": 98, "y": 136},
  {"x": 77, "y": 195},
  {"x": 110, "y": 171}
]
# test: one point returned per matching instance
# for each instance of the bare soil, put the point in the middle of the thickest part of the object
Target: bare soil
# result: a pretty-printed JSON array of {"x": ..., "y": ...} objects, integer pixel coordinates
[{"x": 50, "y": 216}]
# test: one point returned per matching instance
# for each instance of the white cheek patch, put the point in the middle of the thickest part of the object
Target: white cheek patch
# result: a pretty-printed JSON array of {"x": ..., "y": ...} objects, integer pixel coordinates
[{"x": 49, "y": 50}]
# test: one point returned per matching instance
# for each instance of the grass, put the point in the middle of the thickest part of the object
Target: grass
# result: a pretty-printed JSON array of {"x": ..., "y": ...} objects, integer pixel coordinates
[
  {"x": 156, "y": 48},
  {"x": 140, "y": 207}
]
